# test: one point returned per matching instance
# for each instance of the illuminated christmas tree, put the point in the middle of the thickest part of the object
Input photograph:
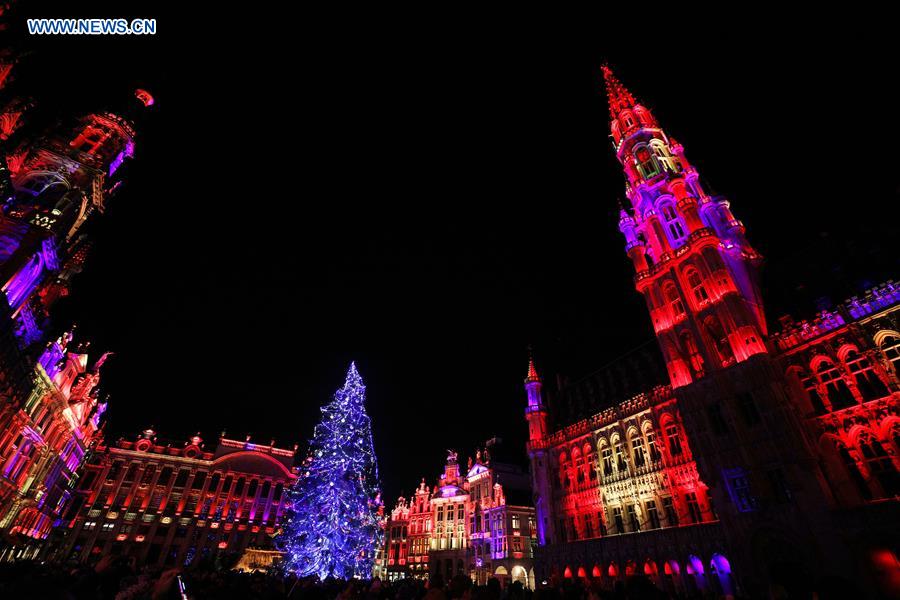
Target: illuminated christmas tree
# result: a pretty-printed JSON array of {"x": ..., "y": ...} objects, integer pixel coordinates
[{"x": 332, "y": 527}]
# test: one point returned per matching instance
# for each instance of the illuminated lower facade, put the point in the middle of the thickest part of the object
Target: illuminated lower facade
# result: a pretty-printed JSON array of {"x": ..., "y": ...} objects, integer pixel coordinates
[
  {"x": 758, "y": 458},
  {"x": 45, "y": 443},
  {"x": 52, "y": 183},
  {"x": 166, "y": 504},
  {"x": 479, "y": 525},
  {"x": 619, "y": 494}
]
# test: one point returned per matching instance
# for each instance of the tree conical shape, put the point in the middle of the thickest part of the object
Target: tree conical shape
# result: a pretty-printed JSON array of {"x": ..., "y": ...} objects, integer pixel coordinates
[{"x": 332, "y": 527}]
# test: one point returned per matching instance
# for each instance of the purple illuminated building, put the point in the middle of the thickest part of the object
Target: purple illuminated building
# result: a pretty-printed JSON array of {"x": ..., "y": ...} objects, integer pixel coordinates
[
  {"x": 52, "y": 183},
  {"x": 478, "y": 522}
]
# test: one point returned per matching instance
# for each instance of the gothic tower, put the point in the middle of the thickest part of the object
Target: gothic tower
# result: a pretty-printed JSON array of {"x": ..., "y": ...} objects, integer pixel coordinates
[
  {"x": 694, "y": 266},
  {"x": 536, "y": 415},
  {"x": 698, "y": 275}
]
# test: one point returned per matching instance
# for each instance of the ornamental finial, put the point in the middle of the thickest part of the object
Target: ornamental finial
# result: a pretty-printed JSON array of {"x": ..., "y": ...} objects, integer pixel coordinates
[
  {"x": 532, "y": 371},
  {"x": 618, "y": 95}
]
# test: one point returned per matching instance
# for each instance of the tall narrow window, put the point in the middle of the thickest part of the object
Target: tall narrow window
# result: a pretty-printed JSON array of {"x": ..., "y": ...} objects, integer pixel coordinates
[
  {"x": 868, "y": 383},
  {"x": 620, "y": 457},
  {"x": 811, "y": 385},
  {"x": 607, "y": 461},
  {"x": 665, "y": 158},
  {"x": 838, "y": 393},
  {"x": 637, "y": 447},
  {"x": 652, "y": 450},
  {"x": 693, "y": 507},
  {"x": 855, "y": 474},
  {"x": 646, "y": 164},
  {"x": 880, "y": 464},
  {"x": 695, "y": 282},
  {"x": 618, "y": 520},
  {"x": 674, "y": 300},
  {"x": 653, "y": 514},
  {"x": 671, "y": 514},
  {"x": 741, "y": 494},
  {"x": 674, "y": 439},
  {"x": 674, "y": 226},
  {"x": 633, "y": 520},
  {"x": 691, "y": 353},
  {"x": 712, "y": 326}
]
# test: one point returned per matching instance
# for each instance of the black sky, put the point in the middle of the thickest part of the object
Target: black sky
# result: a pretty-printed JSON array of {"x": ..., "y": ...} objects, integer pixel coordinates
[{"x": 429, "y": 194}]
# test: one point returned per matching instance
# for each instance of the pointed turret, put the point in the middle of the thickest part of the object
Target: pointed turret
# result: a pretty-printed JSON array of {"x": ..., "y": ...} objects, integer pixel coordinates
[
  {"x": 535, "y": 412},
  {"x": 532, "y": 372},
  {"x": 536, "y": 415},
  {"x": 619, "y": 96}
]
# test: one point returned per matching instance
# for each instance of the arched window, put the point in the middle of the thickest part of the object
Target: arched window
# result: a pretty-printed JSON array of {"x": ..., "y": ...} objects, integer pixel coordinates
[
  {"x": 620, "y": 455},
  {"x": 652, "y": 450},
  {"x": 607, "y": 458},
  {"x": 674, "y": 439},
  {"x": 637, "y": 450},
  {"x": 890, "y": 346},
  {"x": 674, "y": 227},
  {"x": 691, "y": 353},
  {"x": 645, "y": 162},
  {"x": 838, "y": 393},
  {"x": 643, "y": 116},
  {"x": 674, "y": 300},
  {"x": 563, "y": 471},
  {"x": 578, "y": 461},
  {"x": 811, "y": 385},
  {"x": 853, "y": 470},
  {"x": 867, "y": 381},
  {"x": 590, "y": 462},
  {"x": 695, "y": 282},
  {"x": 39, "y": 182},
  {"x": 713, "y": 328},
  {"x": 880, "y": 465},
  {"x": 664, "y": 157}
]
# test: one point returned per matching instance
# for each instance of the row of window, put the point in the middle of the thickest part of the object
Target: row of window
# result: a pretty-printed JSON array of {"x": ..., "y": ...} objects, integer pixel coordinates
[
  {"x": 872, "y": 469},
  {"x": 642, "y": 450},
  {"x": 827, "y": 384},
  {"x": 181, "y": 478},
  {"x": 477, "y": 524},
  {"x": 630, "y": 518}
]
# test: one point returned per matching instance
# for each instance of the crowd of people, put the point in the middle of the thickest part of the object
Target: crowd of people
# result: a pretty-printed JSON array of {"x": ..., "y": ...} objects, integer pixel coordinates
[{"x": 118, "y": 578}]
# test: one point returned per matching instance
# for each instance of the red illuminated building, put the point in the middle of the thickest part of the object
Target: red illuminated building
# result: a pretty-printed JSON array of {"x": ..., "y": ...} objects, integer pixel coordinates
[
  {"x": 741, "y": 458},
  {"x": 52, "y": 183},
  {"x": 478, "y": 523},
  {"x": 172, "y": 504}
]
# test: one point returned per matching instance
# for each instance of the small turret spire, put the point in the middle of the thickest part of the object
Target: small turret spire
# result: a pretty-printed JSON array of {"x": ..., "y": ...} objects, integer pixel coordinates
[
  {"x": 532, "y": 371},
  {"x": 619, "y": 96}
]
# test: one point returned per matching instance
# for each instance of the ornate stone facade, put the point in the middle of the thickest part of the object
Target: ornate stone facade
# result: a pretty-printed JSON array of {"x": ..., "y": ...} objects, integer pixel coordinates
[
  {"x": 167, "y": 504},
  {"x": 766, "y": 460},
  {"x": 478, "y": 523}
]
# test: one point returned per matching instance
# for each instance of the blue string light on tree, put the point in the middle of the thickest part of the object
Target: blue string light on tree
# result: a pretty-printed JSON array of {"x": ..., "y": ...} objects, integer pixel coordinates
[{"x": 332, "y": 524}]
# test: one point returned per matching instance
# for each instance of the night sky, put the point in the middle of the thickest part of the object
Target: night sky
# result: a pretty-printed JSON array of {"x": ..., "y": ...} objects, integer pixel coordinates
[{"x": 430, "y": 199}]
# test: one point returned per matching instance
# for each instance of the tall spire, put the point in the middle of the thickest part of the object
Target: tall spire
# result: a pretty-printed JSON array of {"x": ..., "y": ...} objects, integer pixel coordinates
[
  {"x": 532, "y": 371},
  {"x": 619, "y": 97}
]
